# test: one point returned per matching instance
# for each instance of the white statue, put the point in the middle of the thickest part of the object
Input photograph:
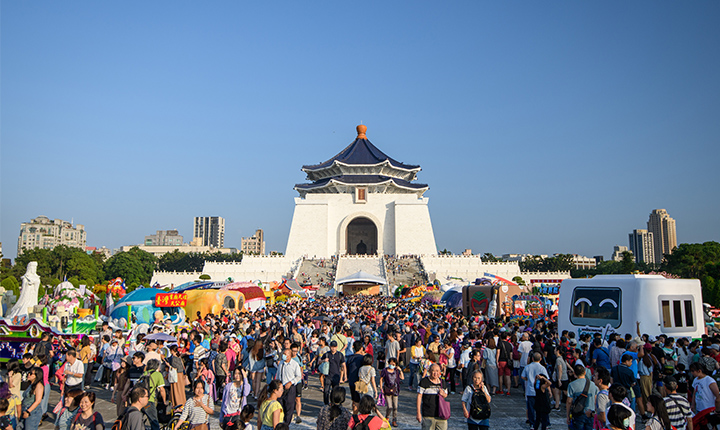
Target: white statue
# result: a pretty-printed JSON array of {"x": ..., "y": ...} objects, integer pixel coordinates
[{"x": 29, "y": 293}]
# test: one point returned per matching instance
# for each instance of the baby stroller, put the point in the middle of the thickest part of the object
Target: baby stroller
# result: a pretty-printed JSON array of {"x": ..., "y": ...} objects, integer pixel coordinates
[{"x": 170, "y": 421}]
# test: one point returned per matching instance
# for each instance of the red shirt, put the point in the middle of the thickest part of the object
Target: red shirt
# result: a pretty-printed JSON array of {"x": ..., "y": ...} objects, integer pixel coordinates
[{"x": 374, "y": 424}]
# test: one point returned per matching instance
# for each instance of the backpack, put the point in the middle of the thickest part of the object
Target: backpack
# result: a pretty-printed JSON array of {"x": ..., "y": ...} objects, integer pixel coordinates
[
  {"x": 144, "y": 381},
  {"x": 578, "y": 405},
  {"x": 94, "y": 418},
  {"x": 515, "y": 352},
  {"x": 121, "y": 421},
  {"x": 669, "y": 366},
  {"x": 362, "y": 425},
  {"x": 211, "y": 360},
  {"x": 479, "y": 406}
]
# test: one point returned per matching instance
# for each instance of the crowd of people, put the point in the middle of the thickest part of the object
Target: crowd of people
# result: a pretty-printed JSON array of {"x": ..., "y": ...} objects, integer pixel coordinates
[
  {"x": 324, "y": 273},
  {"x": 378, "y": 353}
]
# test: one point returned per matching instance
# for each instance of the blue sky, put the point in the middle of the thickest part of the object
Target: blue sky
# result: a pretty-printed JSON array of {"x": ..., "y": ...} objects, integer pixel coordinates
[{"x": 541, "y": 127}]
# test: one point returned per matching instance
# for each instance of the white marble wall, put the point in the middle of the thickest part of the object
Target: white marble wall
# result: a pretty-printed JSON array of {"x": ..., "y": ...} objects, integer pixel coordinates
[{"x": 320, "y": 221}]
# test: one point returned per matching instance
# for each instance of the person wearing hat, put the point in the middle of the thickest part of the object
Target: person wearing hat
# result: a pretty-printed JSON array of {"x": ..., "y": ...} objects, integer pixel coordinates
[
  {"x": 111, "y": 360},
  {"x": 337, "y": 373}
]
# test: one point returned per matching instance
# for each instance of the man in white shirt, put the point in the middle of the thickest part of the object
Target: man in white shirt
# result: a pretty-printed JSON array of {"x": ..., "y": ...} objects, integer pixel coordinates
[
  {"x": 525, "y": 346},
  {"x": 290, "y": 374},
  {"x": 199, "y": 353},
  {"x": 74, "y": 371},
  {"x": 152, "y": 353}
]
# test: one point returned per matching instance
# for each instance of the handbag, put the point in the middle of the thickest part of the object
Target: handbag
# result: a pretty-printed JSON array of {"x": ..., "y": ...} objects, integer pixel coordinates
[
  {"x": 381, "y": 400},
  {"x": 324, "y": 367},
  {"x": 443, "y": 408},
  {"x": 172, "y": 375},
  {"x": 361, "y": 387},
  {"x": 99, "y": 374}
]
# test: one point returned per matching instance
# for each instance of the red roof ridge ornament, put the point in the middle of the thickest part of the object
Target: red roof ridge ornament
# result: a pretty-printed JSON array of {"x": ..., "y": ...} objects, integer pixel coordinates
[{"x": 361, "y": 129}]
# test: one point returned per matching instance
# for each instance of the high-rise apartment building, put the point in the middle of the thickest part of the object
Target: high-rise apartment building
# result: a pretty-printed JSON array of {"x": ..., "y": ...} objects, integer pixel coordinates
[
  {"x": 617, "y": 252},
  {"x": 254, "y": 244},
  {"x": 42, "y": 232},
  {"x": 164, "y": 238},
  {"x": 642, "y": 246},
  {"x": 209, "y": 231},
  {"x": 664, "y": 235}
]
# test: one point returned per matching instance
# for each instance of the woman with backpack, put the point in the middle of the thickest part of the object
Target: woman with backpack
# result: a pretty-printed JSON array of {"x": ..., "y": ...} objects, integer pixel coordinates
[
  {"x": 87, "y": 418},
  {"x": 366, "y": 376},
  {"x": 476, "y": 403},
  {"x": 270, "y": 410},
  {"x": 504, "y": 361},
  {"x": 659, "y": 419},
  {"x": 390, "y": 379},
  {"x": 364, "y": 420},
  {"x": 71, "y": 403}
]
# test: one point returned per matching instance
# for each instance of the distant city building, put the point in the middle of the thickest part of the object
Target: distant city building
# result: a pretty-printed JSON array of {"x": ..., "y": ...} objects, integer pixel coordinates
[
  {"x": 599, "y": 259},
  {"x": 210, "y": 230},
  {"x": 254, "y": 244},
  {"x": 164, "y": 238},
  {"x": 106, "y": 252},
  {"x": 664, "y": 236},
  {"x": 467, "y": 252},
  {"x": 582, "y": 262},
  {"x": 44, "y": 233},
  {"x": 617, "y": 252},
  {"x": 642, "y": 246},
  {"x": 159, "y": 251},
  {"x": 520, "y": 257}
]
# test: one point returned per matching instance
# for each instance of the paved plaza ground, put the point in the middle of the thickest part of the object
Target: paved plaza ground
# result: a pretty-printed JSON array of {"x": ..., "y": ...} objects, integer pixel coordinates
[{"x": 508, "y": 412}]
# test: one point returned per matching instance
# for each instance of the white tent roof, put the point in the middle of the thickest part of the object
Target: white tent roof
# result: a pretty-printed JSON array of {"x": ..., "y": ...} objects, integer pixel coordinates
[{"x": 361, "y": 277}]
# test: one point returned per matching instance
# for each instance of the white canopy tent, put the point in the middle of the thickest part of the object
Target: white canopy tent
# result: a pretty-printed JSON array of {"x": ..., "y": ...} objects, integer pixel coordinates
[{"x": 361, "y": 277}]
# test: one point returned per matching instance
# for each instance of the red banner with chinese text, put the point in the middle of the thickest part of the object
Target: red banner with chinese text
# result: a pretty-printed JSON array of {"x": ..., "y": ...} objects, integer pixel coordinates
[{"x": 171, "y": 300}]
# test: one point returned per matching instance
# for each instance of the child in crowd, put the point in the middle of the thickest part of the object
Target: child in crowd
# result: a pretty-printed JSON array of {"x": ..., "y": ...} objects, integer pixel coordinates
[{"x": 5, "y": 422}]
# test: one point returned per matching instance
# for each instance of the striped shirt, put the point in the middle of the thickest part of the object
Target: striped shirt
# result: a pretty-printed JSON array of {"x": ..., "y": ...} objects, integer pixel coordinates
[
  {"x": 678, "y": 409},
  {"x": 196, "y": 414}
]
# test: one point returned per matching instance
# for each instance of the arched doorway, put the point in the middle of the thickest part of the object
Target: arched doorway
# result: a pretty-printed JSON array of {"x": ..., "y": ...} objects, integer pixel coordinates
[{"x": 361, "y": 237}]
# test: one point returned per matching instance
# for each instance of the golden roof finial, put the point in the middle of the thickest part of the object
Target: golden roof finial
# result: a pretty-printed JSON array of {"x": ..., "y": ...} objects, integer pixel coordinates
[{"x": 361, "y": 129}]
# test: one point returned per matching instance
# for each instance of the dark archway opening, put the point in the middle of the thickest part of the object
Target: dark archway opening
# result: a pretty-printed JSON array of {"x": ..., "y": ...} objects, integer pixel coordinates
[{"x": 361, "y": 237}]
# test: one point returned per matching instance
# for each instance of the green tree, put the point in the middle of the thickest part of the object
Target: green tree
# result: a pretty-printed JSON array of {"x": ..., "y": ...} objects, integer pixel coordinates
[
  {"x": 518, "y": 280},
  {"x": 134, "y": 266},
  {"x": 692, "y": 260},
  {"x": 489, "y": 257},
  {"x": 445, "y": 252},
  {"x": 697, "y": 261},
  {"x": 11, "y": 284},
  {"x": 557, "y": 263},
  {"x": 59, "y": 263},
  {"x": 627, "y": 262}
]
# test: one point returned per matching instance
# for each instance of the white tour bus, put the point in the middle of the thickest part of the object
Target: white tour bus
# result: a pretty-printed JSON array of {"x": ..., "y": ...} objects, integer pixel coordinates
[{"x": 614, "y": 303}]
